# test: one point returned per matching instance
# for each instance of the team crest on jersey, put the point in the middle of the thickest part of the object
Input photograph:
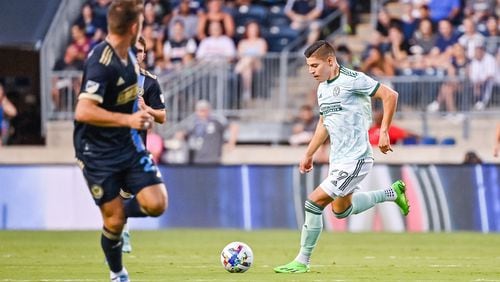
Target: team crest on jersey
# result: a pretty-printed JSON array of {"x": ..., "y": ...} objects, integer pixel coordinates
[
  {"x": 336, "y": 91},
  {"x": 140, "y": 91},
  {"x": 97, "y": 191},
  {"x": 91, "y": 86}
]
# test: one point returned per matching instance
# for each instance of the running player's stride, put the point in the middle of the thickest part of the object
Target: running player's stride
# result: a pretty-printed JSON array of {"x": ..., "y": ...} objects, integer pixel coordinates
[
  {"x": 107, "y": 144},
  {"x": 345, "y": 108}
]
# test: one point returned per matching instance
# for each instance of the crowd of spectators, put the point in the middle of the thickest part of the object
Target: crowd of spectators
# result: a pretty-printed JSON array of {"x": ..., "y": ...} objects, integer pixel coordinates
[{"x": 451, "y": 39}]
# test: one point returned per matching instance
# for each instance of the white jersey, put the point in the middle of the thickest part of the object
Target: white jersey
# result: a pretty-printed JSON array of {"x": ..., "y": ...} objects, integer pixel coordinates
[{"x": 345, "y": 105}]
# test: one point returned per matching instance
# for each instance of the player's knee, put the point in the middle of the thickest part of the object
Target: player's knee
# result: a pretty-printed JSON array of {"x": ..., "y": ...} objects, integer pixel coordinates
[
  {"x": 157, "y": 208},
  {"x": 342, "y": 214},
  {"x": 114, "y": 224}
]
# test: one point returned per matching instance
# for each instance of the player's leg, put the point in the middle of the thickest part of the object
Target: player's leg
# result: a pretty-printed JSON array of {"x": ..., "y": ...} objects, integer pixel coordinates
[
  {"x": 153, "y": 199},
  {"x": 127, "y": 244},
  {"x": 311, "y": 230},
  {"x": 350, "y": 201},
  {"x": 113, "y": 220},
  {"x": 145, "y": 182}
]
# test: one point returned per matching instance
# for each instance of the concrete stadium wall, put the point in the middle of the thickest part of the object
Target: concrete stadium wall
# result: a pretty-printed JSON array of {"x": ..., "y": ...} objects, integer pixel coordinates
[{"x": 443, "y": 198}]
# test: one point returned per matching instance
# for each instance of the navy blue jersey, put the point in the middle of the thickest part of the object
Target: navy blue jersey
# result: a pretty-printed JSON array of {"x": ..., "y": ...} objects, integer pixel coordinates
[
  {"x": 151, "y": 93},
  {"x": 113, "y": 84}
]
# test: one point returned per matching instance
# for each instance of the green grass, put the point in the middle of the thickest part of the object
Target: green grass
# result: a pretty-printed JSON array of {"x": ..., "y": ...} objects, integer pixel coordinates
[{"x": 193, "y": 255}]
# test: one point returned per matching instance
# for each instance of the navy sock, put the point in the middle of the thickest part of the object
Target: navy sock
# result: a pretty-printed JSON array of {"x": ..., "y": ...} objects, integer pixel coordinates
[
  {"x": 133, "y": 209},
  {"x": 111, "y": 244}
]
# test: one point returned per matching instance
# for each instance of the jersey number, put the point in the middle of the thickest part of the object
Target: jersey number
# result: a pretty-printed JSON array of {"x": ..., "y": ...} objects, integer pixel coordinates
[{"x": 148, "y": 164}]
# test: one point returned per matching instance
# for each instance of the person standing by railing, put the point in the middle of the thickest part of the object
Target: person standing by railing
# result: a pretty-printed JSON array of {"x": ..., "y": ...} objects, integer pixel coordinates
[{"x": 7, "y": 109}]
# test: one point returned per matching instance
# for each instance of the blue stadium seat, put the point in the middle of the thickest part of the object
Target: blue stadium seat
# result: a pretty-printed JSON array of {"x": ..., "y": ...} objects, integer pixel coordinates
[
  {"x": 279, "y": 37},
  {"x": 448, "y": 141},
  {"x": 244, "y": 14},
  {"x": 428, "y": 140},
  {"x": 411, "y": 140}
]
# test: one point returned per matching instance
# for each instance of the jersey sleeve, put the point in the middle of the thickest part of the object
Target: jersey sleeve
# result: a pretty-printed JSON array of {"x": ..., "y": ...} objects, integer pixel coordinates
[
  {"x": 153, "y": 96},
  {"x": 95, "y": 79},
  {"x": 365, "y": 85}
]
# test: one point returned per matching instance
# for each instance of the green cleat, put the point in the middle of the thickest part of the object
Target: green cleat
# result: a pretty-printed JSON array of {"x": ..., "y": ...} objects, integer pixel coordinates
[
  {"x": 293, "y": 267},
  {"x": 399, "y": 187}
]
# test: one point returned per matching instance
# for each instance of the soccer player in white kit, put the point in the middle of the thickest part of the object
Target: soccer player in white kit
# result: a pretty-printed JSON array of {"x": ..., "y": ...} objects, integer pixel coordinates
[{"x": 345, "y": 116}]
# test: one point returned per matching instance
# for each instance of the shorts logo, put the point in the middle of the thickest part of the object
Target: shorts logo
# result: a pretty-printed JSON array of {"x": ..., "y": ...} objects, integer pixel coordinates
[
  {"x": 91, "y": 87},
  {"x": 97, "y": 191}
]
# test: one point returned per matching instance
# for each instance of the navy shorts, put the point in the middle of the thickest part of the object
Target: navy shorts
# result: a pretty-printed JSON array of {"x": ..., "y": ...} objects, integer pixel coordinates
[{"x": 105, "y": 178}]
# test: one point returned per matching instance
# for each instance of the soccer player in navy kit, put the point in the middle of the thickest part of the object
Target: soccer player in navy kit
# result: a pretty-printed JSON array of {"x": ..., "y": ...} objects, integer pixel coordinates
[
  {"x": 106, "y": 140},
  {"x": 150, "y": 100}
]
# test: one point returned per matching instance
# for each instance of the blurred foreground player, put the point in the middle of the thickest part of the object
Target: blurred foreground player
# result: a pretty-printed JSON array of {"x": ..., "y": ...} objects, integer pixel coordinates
[
  {"x": 106, "y": 139},
  {"x": 149, "y": 99},
  {"x": 345, "y": 109}
]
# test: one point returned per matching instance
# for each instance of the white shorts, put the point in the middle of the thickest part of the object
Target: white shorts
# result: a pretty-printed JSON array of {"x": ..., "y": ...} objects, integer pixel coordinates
[{"x": 343, "y": 179}]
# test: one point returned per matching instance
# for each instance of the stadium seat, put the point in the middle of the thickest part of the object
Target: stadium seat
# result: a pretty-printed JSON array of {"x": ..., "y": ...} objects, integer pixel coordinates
[
  {"x": 428, "y": 140},
  {"x": 448, "y": 141},
  {"x": 412, "y": 140}
]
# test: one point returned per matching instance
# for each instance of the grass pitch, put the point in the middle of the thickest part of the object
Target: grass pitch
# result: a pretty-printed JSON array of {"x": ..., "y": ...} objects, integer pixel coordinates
[{"x": 193, "y": 255}]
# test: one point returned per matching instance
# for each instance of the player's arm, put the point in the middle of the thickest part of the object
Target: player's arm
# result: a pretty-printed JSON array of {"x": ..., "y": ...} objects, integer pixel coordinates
[
  {"x": 319, "y": 137},
  {"x": 152, "y": 102},
  {"x": 389, "y": 99},
  {"x": 159, "y": 115},
  {"x": 88, "y": 111}
]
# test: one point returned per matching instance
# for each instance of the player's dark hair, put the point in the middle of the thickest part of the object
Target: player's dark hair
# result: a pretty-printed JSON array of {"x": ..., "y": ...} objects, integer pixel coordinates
[
  {"x": 142, "y": 41},
  {"x": 122, "y": 14},
  {"x": 321, "y": 49}
]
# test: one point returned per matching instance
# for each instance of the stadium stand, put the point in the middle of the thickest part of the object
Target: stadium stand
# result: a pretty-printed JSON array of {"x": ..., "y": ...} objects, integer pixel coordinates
[{"x": 282, "y": 85}]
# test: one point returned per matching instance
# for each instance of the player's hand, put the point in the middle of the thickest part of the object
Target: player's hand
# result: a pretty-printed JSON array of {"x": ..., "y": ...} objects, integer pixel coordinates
[
  {"x": 142, "y": 105},
  {"x": 306, "y": 164},
  {"x": 384, "y": 143},
  {"x": 141, "y": 120}
]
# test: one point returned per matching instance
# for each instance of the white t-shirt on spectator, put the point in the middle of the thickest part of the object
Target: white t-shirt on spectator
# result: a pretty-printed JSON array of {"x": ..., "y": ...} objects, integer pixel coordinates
[
  {"x": 216, "y": 48},
  {"x": 484, "y": 69}
]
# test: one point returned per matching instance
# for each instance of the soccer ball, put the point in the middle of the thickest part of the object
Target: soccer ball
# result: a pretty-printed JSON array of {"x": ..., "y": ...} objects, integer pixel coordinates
[{"x": 236, "y": 257}]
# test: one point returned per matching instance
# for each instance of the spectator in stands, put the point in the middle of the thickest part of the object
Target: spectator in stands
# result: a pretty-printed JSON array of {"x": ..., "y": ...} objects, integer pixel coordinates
[
  {"x": 455, "y": 68},
  {"x": 396, "y": 134},
  {"x": 187, "y": 16},
  {"x": 384, "y": 22},
  {"x": 492, "y": 34},
  {"x": 409, "y": 22},
  {"x": 470, "y": 38},
  {"x": 345, "y": 7},
  {"x": 154, "y": 143},
  {"x": 479, "y": 11},
  {"x": 80, "y": 41},
  {"x": 152, "y": 52},
  {"x": 215, "y": 13},
  {"x": 7, "y": 110},
  {"x": 61, "y": 85},
  {"x": 446, "y": 37},
  {"x": 399, "y": 51},
  {"x": 304, "y": 126},
  {"x": 305, "y": 14},
  {"x": 483, "y": 69},
  {"x": 94, "y": 28},
  {"x": 424, "y": 38},
  {"x": 217, "y": 45},
  {"x": 346, "y": 58},
  {"x": 178, "y": 51},
  {"x": 376, "y": 64},
  {"x": 250, "y": 51},
  {"x": 205, "y": 135},
  {"x": 472, "y": 158},
  {"x": 162, "y": 10},
  {"x": 100, "y": 10},
  {"x": 444, "y": 9}
]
